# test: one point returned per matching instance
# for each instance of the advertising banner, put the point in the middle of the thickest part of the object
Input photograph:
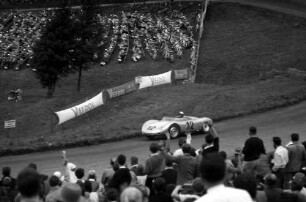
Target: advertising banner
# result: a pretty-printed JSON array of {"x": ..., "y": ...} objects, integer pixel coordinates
[
  {"x": 80, "y": 109},
  {"x": 148, "y": 81},
  {"x": 180, "y": 74},
  {"x": 122, "y": 89}
]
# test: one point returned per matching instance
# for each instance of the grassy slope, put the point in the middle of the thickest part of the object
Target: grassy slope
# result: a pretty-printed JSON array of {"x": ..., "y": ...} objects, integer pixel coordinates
[{"x": 240, "y": 44}]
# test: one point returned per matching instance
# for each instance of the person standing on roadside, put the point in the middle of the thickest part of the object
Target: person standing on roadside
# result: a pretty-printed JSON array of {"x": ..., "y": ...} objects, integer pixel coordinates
[
  {"x": 252, "y": 149},
  {"x": 297, "y": 158},
  {"x": 280, "y": 160}
]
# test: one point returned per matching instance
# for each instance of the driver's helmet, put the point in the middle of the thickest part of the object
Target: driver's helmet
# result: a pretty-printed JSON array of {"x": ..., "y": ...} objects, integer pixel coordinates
[{"x": 181, "y": 114}]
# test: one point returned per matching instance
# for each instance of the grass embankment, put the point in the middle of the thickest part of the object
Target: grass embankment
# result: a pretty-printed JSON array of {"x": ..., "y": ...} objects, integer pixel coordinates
[{"x": 243, "y": 68}]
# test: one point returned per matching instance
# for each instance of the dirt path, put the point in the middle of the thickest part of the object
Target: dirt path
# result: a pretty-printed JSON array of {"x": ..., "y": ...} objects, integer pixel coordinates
[{"x": 281, "y": 122}]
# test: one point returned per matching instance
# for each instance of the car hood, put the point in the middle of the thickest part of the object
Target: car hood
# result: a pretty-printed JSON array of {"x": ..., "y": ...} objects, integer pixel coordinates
[{"x": 155, "y": 126}]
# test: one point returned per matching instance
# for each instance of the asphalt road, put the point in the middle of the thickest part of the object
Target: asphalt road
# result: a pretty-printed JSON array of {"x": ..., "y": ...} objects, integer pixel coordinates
[{"x": 280, "y": 122}]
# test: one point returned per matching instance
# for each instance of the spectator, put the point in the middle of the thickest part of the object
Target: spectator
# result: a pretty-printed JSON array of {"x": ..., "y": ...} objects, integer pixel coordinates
[
  {"x": 154, "y": 165},
  {"x": 122, "y": 177},
  {"x": 89, "y": 194},
  {"x": 59, "y": 176},
  {"x": 69, "y": 169},
  {"x": 108, "y": 174},
  {"x": 213, "y": 170},
  {"x": 135, "y": 167},
  {"x": 131, "y": 194},
  {"x": 297, "y": 158},
  {"x": 273, "y": 193},
  {"x": 181, "y": 141},
  {"x": 6, "y": 172},
  {"x": 198, "y": 190},
  {"x": 252, "y": 149},
  {"x": 298, "y": 183},
  {"x": 28, "y": 185},
  {"x": 237, "y": 157},
  {"x": 248, "y": 183},
  {"x": 79, "y": 173},
  {"x": 186, "y": 164},
  {"x": 169, "y": 173},
  {"x": 92, "y": 178},
  {"x": 54, "y": 183},
  {"x": 71, "y": 192},
  {"x": 7, "y": 194},
  {"x": 231, "y": 171},
  {"x": 112, "y": 195},
  {"x": 280, "y": 160},
  {"x": 262, "y": 167},
  {"x": 44, "y": 185},
  {"x": 159, "y": 186},
  {"x": 211, "y": 142}
]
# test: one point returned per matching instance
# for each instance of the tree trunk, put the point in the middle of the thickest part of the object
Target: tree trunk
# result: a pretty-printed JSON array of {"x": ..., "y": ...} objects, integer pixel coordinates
[
  {"x": 50, "y": 90},
  {"x": 79, "y": 78}
]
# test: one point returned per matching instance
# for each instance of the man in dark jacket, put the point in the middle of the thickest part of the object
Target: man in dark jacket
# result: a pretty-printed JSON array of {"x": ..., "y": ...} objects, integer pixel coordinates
[
  {"x": 252, "y": 149},
  {"x": 297, "y": 158}
]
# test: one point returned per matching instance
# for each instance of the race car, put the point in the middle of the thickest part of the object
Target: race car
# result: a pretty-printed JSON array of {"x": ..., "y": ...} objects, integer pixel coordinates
[{"x": 175, "y": 126}]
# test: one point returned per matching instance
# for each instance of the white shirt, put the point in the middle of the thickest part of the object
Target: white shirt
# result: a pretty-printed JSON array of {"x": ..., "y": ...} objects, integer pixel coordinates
[
  {"x": 178, "y": 152},
  {"x": 280, "y": 158},
  {"x": 220, "y": 193}
]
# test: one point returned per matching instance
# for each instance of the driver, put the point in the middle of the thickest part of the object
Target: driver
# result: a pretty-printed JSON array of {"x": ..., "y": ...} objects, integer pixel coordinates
[{"x": 181, "y": 114}]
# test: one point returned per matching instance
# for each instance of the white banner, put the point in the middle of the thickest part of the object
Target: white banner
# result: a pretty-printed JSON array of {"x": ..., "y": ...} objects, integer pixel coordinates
[
  {"x": 80, "y": 109},
  {"x": 148, "y": 81}
]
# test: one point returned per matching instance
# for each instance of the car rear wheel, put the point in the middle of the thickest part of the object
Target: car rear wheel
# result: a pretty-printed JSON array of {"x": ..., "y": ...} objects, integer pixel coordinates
[{"x": 174, "y": 131}]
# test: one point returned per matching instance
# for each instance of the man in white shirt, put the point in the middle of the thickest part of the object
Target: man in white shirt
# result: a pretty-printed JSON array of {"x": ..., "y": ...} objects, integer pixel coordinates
[
  {"x": 280, "y": 160},
  {"x": 213, "y": 170}
]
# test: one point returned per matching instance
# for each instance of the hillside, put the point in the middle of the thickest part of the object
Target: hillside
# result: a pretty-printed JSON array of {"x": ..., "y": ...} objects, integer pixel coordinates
[{"x": 244, "y": 64}]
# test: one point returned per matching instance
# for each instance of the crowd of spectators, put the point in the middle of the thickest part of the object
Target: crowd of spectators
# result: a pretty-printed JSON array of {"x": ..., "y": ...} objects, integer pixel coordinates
[
  {"x": 186, "y": 174},
  {"x": 19, "y": 31}
]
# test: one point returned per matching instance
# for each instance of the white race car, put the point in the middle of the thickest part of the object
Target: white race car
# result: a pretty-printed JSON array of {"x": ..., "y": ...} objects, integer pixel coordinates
[{"x": 175, "y": 126}]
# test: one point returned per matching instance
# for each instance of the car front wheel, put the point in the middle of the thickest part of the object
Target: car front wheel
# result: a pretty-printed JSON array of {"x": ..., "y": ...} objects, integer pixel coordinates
[{"x": 174, "y": 131}]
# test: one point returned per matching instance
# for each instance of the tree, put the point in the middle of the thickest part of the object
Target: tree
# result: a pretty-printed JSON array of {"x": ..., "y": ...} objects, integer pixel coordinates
[
  {"x": 51, "y": 57},
  {"x": 86, "y": 38}
]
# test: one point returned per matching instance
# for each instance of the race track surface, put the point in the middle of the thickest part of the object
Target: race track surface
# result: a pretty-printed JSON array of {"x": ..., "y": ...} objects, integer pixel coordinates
[{"x": 233, "y": 133}]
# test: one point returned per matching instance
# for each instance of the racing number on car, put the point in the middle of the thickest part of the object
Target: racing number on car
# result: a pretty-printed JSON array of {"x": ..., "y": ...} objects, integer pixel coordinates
[{"x": 189, "y": 124}]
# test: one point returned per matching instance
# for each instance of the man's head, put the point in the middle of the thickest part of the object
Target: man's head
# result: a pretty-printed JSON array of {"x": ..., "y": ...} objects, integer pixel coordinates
[
  {"x": 276, "y": 141},
  {"x": 92, "y": 174},
  {"x": 212, "y": 169},
  {"x": 159, "y": 185},
  {"x": 168, "y": 163},
  {"x": 79, "y": 173},
  {"x": 252, "y": 130},
  {"x": 154, "y": 148},
  {"x": 71, "y": 192},
  {"x": 6, "y": 171},
  {"x": 181, "y": 114},
  {"x": 246, "y": 182},
  {"x": 295, "y": 137},
  {"x": 33, "y": 166},
  {"x": 198, "y": 186},
  {"x": 181, "y": 141},
  {"x": 223, "y": 154},
  {"x": 209, "y": 139},
  {"x": 121, "y": 160},
  {"x": 54, "y": 181},
  {"x": 134, "y": 160},
  {"x": 28, "y": 183},
  {"x": 270, "y": 180},
  {"x": 112, "y": 194},
  {"x": 131, "y": 194},
  {"x": 186, "y": 148}
]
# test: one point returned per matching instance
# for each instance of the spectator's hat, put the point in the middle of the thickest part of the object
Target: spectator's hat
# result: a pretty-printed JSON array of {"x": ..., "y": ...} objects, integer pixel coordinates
[
  {"x": 71, "y": 193},
  {"x": 237, "y": 150},
  {"x": 181, "y": 113}
]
